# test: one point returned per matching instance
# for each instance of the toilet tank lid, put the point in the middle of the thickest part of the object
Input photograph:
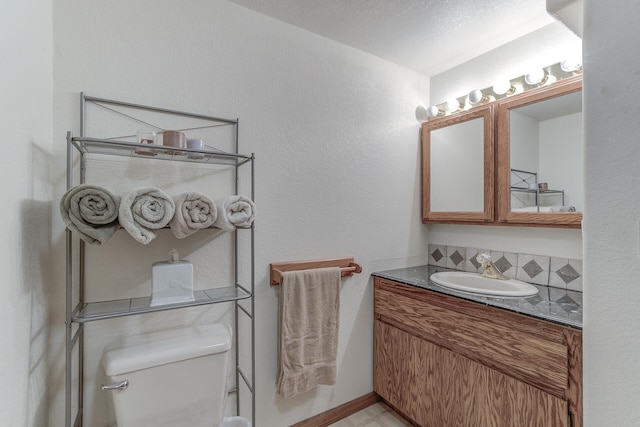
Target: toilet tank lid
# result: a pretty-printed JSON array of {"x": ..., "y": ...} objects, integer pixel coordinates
[{"x": 135, "y": 353}]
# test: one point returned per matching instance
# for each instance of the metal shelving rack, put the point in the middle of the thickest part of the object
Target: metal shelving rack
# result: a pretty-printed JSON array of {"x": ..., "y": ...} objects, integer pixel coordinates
[
  {"x": 520, "y": 183},
  {"x": 81, "y": 312}
]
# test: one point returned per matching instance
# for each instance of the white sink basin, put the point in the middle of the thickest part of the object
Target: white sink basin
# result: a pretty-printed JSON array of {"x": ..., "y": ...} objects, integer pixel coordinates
[{"x": 474, "y": 282}]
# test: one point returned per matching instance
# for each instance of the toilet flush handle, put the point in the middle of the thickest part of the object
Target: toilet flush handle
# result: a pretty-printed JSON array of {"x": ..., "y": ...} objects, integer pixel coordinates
[{"x": 122, "y": 385}]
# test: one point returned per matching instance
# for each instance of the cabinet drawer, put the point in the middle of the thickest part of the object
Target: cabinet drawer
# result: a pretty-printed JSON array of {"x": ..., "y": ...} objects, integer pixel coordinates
[{"x": 493, "y": 341}]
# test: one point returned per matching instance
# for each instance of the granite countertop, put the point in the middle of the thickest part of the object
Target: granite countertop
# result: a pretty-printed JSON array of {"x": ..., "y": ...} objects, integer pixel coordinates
[{"x": 553, "y": 304}]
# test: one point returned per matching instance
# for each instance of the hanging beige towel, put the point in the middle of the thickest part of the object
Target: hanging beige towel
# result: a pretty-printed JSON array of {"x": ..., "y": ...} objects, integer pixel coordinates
[{"x": 308, "y": 323}]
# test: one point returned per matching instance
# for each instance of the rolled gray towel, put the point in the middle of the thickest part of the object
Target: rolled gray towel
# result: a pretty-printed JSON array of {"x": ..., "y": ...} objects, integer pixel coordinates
[
  {"x": 91, "y": 212},
  {"x": 144, "y": 210},
  {"x": 234, "y": 211},
  {"x": 194, "y": 211}
]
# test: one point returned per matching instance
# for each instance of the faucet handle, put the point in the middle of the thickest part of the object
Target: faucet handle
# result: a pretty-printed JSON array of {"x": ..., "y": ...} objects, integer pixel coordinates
[{"x": 483, "y": 258}]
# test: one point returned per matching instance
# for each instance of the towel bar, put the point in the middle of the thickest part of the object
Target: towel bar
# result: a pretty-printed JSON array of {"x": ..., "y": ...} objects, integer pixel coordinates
[{"x": 347, "y": 265}]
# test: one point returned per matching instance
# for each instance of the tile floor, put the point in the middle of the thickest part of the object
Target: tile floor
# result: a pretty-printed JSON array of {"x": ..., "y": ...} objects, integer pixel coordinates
[{"x": 378, "y": 415}]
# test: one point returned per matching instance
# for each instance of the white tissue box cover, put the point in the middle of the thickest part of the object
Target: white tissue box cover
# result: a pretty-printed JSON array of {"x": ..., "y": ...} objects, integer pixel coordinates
[
  {"x": 234, "y": 422},
  {"x": 172, "y": 283}
]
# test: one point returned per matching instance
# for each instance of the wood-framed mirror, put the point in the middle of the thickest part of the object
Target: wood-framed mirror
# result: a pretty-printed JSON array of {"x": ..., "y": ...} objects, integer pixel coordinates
[
  {"x": 540, "y": 156},
  {"x": 458, "y": 168}
]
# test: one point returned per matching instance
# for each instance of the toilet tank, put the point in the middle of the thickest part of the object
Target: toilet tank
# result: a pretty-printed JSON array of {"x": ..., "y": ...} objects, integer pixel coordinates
[{"x": 175, "y": 378}]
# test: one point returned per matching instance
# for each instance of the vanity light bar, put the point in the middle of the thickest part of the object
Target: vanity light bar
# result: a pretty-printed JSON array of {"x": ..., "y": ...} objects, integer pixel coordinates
[{"x": 502, "y": 89}]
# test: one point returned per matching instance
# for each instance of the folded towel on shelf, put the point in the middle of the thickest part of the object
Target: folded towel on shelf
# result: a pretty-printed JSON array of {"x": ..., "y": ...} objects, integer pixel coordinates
[
  {"x": 308, "y": 324},
  {"x": 91, "y": 212},
  {"x": 194, "y": 211},
  {"x": 144, "y": 210},
  {"x": 234, "y": 211}
]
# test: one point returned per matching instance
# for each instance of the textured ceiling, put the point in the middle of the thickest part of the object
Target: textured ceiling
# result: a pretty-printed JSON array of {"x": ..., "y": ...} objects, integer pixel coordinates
[{"x": 428, "y": 36}]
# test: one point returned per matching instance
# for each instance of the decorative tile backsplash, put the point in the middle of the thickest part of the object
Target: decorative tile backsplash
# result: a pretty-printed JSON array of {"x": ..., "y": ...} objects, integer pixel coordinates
[{"x": 560, "y": 273}]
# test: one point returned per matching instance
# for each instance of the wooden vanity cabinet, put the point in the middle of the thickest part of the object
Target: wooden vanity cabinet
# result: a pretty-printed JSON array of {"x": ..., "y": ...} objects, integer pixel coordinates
[{"x": 444, "y": 361}]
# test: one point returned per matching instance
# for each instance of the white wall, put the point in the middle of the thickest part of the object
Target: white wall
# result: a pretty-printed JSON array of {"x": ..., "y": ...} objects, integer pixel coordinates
[
  {"x": 525, "y": 151},
  {"x": 562, "y": 158},
  {"x": 336, "y": 142},
  {"x": 612, "y": 204},
  {"x": 546, "y": 46},
  {"x": 25, "y": 218},
  {"x": 524, "y": 155}
]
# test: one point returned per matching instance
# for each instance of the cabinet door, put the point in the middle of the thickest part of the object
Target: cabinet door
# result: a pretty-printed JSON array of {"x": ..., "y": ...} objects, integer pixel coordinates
[
  {"x": 539, "y": 137},
  {"x": 458, "y": 168},
  {"x": 399, "y": 376},
  {"x": 436, "y": 387}
]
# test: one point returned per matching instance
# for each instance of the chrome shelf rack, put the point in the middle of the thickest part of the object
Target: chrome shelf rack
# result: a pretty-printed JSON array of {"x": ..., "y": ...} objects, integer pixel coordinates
[
  {"x": 79, "y": 312},
  {"x": 522, "y": 181}
]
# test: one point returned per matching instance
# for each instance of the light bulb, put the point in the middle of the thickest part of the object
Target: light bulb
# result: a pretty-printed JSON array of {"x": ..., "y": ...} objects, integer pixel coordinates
[
  {"x": 421, "y": 114},
  {"x": 503, "y": 87},
  {"x": 453, "y": 105},
  {"x": 535, "y": 77},
  {"x": 433, "y": 111},
  {"x": 517, "y": 89},
  {"x": 476, "y": 97},
  {"x": 549, "y": 78},
  {"x": 572, "y": 65}
]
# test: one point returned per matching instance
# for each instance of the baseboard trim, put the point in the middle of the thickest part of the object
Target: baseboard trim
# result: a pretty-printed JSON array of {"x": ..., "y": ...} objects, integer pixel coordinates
[{"x": 343, "y": 411}]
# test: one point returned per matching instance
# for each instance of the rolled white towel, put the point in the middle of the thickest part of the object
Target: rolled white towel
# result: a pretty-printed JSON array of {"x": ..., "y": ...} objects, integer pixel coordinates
[
  {"x": 144, "y": 210},
  {"x": 194, "y": 211},
  {"x": 234, "y": 211},
  {"x": 91, "y": 212}
]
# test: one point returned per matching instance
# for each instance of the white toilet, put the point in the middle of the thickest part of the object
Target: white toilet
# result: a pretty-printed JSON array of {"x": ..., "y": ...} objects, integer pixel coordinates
[{"x": 174, "y": 378}]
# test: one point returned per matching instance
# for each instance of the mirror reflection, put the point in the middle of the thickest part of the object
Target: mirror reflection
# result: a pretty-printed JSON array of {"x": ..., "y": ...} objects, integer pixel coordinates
[
  {"x": 546, "y": 155},
  {"x": 457, "y": 167}
]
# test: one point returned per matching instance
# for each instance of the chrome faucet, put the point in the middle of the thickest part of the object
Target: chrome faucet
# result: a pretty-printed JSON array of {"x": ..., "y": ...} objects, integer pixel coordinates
[{"x": 490, "y": 269}]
